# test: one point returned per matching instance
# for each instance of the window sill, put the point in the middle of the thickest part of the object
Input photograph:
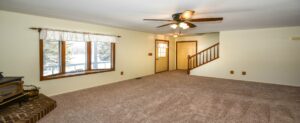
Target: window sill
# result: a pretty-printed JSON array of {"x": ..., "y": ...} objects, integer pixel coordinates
[{"x": 74, "y": 74}]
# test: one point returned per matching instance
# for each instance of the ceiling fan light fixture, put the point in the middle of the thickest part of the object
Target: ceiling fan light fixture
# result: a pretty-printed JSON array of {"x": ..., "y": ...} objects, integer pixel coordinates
[
  {"x": 174, "y": 26},
  {"x": 187, "y": 14},
  {"x": 183, "y": 25}
]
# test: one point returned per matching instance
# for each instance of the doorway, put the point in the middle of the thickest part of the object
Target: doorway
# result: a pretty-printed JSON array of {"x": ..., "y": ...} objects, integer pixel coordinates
[
  {"x": 183, "y": 49},
  {"x": 161, "y": 56}
]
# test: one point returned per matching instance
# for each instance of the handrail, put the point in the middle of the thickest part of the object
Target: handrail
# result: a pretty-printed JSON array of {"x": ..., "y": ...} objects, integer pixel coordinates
[
  {"x": 203, "y": 57},
  {"x": 205, "y": 49}
]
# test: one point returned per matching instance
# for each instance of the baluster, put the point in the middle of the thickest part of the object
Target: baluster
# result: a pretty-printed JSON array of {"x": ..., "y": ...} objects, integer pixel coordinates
[
  {"x": 215, "y": 52},
  {"x": 188, "y": 66},
  {"x": 195, "y": 64},
  {"x": 193, "y": 58},
  {"x": 218, "y": 51},
  {"x": 199, "y": 59},
  {"x": 196, "y": 59},
  {"x": 192, "y": 62},
  {"x": 202, "y": 57},
  {"x": 209, "y": 54},
  {"x": 206, "y": 56}
]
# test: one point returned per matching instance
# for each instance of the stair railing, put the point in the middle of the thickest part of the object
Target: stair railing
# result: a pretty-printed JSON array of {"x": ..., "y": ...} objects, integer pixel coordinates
[{"x": 203, "y": 57}]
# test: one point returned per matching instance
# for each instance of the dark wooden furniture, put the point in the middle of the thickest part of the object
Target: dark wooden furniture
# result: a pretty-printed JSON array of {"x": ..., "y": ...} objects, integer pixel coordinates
[{"x": 10, "y": 88}]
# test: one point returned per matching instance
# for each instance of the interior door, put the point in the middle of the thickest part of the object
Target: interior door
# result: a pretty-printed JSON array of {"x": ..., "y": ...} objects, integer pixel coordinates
[
  {"x": 183, "y": 49},
  {"x": 161, "y": 56}
]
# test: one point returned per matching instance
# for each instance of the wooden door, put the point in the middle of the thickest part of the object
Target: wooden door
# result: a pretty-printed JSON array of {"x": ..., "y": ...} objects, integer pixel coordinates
[
  {"x": 183, "y": 49},
  {"x": 161, "y": 56}
]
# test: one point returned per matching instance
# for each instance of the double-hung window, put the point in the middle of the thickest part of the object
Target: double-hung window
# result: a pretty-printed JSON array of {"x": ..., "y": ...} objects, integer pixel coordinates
[{"x": 63, "y": 57}]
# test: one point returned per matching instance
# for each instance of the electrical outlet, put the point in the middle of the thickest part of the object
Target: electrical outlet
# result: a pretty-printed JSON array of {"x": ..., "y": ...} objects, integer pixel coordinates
[
  {"x": 244, "y": 72},
  {"x": 231, "y": 72},
  {"x": 122, "y": 73}
]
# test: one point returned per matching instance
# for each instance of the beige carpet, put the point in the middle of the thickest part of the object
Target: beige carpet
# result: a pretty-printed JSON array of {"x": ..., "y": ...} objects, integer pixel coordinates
[{"x": 176, "y": 97}]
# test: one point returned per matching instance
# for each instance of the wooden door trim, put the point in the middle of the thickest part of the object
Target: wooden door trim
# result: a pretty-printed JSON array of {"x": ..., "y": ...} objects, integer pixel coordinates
[
  {"x": 184, "y": 42},
  {"x": 155, "y": 55}
]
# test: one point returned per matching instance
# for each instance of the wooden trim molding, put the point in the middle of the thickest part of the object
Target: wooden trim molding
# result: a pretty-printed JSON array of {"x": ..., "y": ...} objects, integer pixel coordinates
[
  {"x": 89, "y": 56},
  {"x": 113, "y": 60},
  {"x": 41, "y": 58},
  {"x": 63, "y": 57},
  {"x": 58, "y": 76}
]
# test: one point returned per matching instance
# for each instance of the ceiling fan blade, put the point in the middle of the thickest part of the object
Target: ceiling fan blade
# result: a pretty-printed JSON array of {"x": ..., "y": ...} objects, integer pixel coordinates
[
  {"x": 157, "y": 20},
  {"x": 165, "y": 25},
  {"x": 191, "y": 25},
  {"x": 206, "y": 19}
]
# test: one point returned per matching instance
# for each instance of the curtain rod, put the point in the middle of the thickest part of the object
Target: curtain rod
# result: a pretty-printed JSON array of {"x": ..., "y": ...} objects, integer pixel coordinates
[{"x": 39, "y": 29}]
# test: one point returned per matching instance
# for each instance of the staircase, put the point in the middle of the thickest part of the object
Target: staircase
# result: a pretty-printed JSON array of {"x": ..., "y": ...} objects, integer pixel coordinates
[{"x": 203, "y": 57}]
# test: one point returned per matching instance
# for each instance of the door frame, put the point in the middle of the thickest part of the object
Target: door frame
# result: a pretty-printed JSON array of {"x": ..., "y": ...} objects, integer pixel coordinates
[
  {"x": 184, "y": 42},
  {"x": 167, "y": 54}
]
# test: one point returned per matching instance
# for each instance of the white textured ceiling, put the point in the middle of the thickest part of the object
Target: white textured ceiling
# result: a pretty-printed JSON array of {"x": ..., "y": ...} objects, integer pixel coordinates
[{"x": 129, "y": 14}]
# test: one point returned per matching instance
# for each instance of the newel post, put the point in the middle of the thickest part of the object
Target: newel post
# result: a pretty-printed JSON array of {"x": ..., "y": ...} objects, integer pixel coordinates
[{"x": 188, "y": 67}]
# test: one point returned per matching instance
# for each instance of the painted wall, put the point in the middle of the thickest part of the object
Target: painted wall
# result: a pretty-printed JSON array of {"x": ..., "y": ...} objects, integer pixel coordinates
[
  {"x": 19, "y": 51},
  {"x": 267, "y": 55}
]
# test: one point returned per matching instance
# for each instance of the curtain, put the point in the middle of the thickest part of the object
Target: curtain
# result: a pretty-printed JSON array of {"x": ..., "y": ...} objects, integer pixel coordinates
[{"x": 53, "y": 35}]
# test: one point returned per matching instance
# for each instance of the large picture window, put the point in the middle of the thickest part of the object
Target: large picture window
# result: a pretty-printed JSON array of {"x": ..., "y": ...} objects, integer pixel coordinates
[
  {"x": 101, "y": 55},
  {"x": 76, "y": 56},
  {"x": 71, "y": 58},
  {"x": 51, "y": 58}
]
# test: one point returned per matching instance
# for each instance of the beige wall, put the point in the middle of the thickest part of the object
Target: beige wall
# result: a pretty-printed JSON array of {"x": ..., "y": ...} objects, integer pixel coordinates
[
  {"x": 19, "y": 51},
  {"x": 267, "y": 55}
]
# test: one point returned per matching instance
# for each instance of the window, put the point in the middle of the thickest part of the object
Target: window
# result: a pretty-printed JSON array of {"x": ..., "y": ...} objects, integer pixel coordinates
[
  {"x": 76, "y": 56},
  {"x": 71, "y": 53},
  {"x": 51, "y": 58},
  {"x": 70, "y": 58},
  {"x": 162, "y": 50},
  {"x": 101, "y": 55}
]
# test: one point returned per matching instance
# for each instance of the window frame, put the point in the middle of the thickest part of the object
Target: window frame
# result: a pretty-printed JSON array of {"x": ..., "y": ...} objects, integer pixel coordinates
[{"x": 62, "y": 73}]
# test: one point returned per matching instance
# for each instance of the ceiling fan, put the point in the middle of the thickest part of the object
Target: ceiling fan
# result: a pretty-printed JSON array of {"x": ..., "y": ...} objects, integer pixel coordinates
[{"x": 184, "y": 20}]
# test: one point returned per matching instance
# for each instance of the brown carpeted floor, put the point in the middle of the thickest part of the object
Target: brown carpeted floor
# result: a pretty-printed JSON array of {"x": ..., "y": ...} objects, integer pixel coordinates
[{"x": 176, "y": 97}]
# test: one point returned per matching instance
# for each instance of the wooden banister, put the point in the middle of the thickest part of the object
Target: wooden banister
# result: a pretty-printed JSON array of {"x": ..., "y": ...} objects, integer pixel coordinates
[
  {"x": 203, "y": 57},
  {"x": 205, "y": 49}
]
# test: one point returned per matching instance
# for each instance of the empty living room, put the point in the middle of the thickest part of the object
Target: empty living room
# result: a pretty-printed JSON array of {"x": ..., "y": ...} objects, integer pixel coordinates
[{"x": 149, "y": 61}]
